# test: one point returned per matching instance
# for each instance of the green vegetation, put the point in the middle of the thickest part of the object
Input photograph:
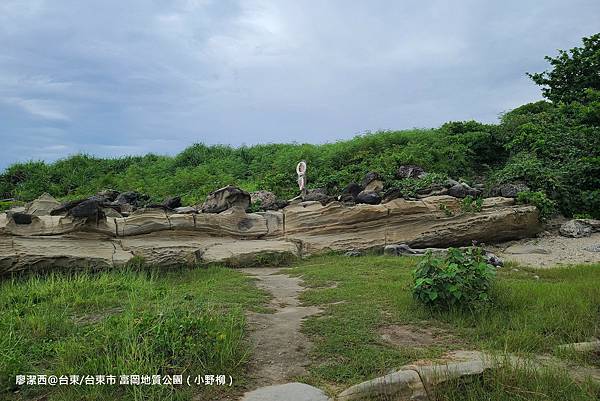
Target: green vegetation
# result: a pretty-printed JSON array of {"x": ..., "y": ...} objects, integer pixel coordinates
[
  {"x": 552, "y": 146},
  {"x": 545, "y": 206},
  {"x": 462, "y": 279},
  {"x": 517, "y": 384},
  {"x": 125, "y": 322},
  {"x": 527, "y": 315}
]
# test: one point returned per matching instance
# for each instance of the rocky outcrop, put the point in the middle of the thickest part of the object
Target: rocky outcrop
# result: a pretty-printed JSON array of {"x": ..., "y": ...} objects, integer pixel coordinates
[
  {"x": 266, "y": 200},
  {"x": 42, "y": 206},
  {"x": 226, "y": 198},
  {"x": 167, "y": 238},
  {"x": 578, "y": 228}
]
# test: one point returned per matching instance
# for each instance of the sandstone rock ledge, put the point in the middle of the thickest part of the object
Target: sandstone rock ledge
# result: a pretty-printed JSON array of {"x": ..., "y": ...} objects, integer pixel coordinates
[{"x": 237, "y": 238}]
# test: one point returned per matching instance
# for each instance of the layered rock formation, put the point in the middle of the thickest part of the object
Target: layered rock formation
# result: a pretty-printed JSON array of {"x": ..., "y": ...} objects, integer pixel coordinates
[{"x": 167, "y": 238}]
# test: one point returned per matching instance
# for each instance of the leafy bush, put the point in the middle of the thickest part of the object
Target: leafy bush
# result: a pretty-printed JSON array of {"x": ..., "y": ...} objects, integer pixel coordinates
[
  {"x": 460, "y": 279},
  {"x": 470, "y": 204},
  {"x": 545, "y": 206}
]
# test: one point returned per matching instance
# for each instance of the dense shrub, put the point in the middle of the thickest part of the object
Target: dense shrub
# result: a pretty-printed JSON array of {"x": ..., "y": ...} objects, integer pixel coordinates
[
  {"x": 461, "y": 279},
  {"x": 545, "y": 206}
]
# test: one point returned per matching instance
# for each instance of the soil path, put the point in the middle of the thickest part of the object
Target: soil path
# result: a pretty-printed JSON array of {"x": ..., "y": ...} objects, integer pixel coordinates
[{"x": 280, "y": 349}]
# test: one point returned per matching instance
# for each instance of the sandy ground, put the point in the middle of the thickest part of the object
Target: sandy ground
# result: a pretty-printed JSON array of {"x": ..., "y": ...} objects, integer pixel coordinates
[
  {"x": 280, "y": 349},
  {"x": 550, "y": 250}
]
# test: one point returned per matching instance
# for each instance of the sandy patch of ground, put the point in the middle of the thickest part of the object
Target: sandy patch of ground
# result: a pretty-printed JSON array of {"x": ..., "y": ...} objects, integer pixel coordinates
[{"x": 550, "y": 250}]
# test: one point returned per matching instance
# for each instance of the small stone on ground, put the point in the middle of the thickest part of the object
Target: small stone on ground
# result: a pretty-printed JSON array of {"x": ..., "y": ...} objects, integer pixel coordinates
[{"x": 286, "y": 392}]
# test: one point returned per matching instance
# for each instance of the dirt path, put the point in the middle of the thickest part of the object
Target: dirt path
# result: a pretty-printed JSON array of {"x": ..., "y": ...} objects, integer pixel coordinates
[{"x": 280, "y": 350}]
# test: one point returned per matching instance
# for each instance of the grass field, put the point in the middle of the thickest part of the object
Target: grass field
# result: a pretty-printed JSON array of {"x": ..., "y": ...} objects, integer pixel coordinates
[
  {"x": 192, "y": 322},
  {"x": 189, "y": 322},
  {"x": 360, "y": 296}
]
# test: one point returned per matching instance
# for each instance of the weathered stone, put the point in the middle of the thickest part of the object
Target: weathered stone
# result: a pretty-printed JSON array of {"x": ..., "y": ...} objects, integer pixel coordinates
[
  {"x": 185, "y": 209},
  {"x": 401, "y": 385},
  {"x": 368, "y": 197},
  {"x": 172, "y": 202},
  {"x": 317, "y": 195},
  {"x": 133, "y": 198},
  {"x": 226, "y": 198},
  {"x": 20, "y": 218},
  {"x": 391, "y": 194},
  {"x": 372, "y": 182},
  {"x": 89, "y": 208},
  {"x": 286, "y": 392},
  {"x": 462, "y": 190},
  {"x": 410, "y": 171},
  {"x": 268, "y": 200},
  {"x": 353, "y": 254},
  {"x": 509, "y": 190},
  {"x": 108, "y": 194},
  {"x": 578, "y": 228},
  {"x": 109, "y": 212},
  {"x": 64, "y": 207},
  {"x": 350, "y": 192},
  {"x": 42, "y": 206},
  {"x": 399, "y": 249},
  {"x": 59, "y": 253}
]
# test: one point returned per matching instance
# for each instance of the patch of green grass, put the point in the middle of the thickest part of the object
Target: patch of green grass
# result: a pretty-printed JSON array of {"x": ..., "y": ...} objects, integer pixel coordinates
[
  {"x": 517, "y": 384},
  {"x": 188, "y": 322},
  {"x": 527, "y": 315}
]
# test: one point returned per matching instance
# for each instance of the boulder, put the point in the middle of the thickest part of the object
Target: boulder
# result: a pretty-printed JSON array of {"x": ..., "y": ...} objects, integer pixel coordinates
[
  {"x": 350, "y": 192},
  {"x": 64, "y": 207},
  {"x": 226, "y": 198},
  {"x": 462, "y": 190},
  {"x": 372, "y": 182},
  {"x": 368, "y": 197},
  {"x": 109, "y": 195},
  {"x": 20, "y": 218},
  {"x": 399, "y": 249},
  {"x": 87, "y": 208},
  {"x": 172, "y": 202},
  {"x": 509, "y": 190},
  {"x": 391, "y": 194},
  {"x": 318, "y": 195},
  {"x": 410, "y": 171},
  {"x": 268, "y": 200},
  {"x": 578, "y": 228},
  {"x": 132, "y": 198},
  {"x": 42, "y": 206}
]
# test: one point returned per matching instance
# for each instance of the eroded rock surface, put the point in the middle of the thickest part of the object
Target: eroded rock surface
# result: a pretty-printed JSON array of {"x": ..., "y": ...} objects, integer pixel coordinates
[{"x": 164, "y": 237}]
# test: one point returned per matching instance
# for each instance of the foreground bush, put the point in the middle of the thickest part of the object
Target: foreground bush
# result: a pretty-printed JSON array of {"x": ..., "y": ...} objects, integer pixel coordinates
[{"x": 461, "y": 279}]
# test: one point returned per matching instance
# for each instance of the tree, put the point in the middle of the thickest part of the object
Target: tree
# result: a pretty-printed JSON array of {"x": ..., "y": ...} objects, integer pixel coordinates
[{"x": 574, "y": 73}]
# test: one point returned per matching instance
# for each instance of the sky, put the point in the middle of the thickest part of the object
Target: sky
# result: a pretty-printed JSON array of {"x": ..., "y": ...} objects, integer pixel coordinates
[{"x": 114, "y": 77}]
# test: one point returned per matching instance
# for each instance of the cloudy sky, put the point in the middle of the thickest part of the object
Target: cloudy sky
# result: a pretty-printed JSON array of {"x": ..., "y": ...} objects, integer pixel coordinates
[{"x": 116, "y": 77}]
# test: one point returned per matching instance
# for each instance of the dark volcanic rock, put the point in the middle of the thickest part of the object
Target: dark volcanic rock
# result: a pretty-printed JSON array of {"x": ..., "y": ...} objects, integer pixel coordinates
[
  {"x": 172, "y": 202},
  {"x": 20, "y": 218},
  {"x": 87, "y": 208},
  {"x": 109, "y": 195},
  {"x": 133, "y": 198},
  {"x": 372, "y": 182},
  {"x": 65, "y": 207},
  {"x": 368, "y": 197},
  {"x": 391, "y": 194},
  {"x": 350, "y": 192}
]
